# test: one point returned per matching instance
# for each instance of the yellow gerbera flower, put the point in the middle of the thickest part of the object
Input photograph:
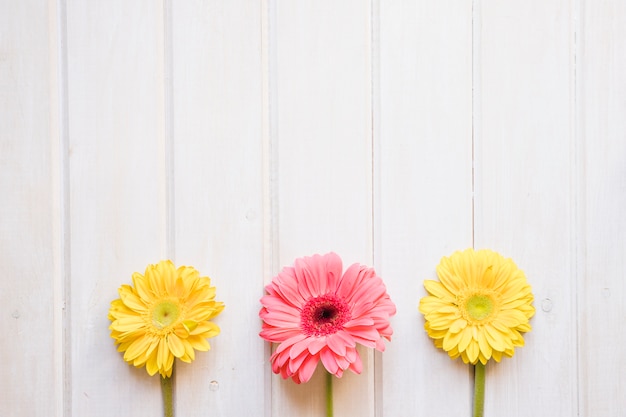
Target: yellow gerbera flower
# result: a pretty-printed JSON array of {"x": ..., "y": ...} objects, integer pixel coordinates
[
  {"x": 480, "y": 306},
  {"x": 165, "y": 314}
]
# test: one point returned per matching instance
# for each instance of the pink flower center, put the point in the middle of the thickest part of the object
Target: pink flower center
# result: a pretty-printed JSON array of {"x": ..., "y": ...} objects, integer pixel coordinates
[{"x": 324, "y": 315}]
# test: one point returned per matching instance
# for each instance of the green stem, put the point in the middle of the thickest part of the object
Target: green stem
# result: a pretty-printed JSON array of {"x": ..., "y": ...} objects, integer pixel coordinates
[
  {"x": 166, "y": 389},
  {"x": 329, "y": 394},
  {"x": 479, "y": 389}
]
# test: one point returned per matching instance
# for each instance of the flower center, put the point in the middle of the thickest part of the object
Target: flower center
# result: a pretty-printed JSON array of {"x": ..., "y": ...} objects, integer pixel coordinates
[
  {"x": 324, "y": 315},
  {"x": 165, "y": 314},
  {"x": 479, "y": 307}
]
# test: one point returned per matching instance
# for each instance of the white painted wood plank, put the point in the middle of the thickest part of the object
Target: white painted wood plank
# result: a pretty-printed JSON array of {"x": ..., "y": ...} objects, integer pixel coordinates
[
  {"x": 217, "y": 80},
  {"x": 424, "y": 190},
  {"x": 525, "y": 192},
  {"x": 550, "y": 198},
  {"x": 30, "y": 212},
  {"x": 117, "y": 171},
  {"x": 321, "y": 139},
  {"x": 602, "y": 200}
]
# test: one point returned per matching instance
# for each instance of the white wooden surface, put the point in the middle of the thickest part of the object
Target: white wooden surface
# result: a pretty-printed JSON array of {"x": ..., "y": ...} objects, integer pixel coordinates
[{"x": 236, "y": 136}]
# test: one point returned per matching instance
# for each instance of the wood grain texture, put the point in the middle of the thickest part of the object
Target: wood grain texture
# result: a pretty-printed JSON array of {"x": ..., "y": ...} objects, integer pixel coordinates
[
  {"x": 423, "y": 205},
  {"x": 218, "y": 195},
  {"x": 601, "y": 202},
  {"x": 524, "y": 190},
  {"x": 322, "y": 83},
  {"x": 237, "y": 136},
  {"x": 30, "y": 212},
  {"x": 117, "y": 180}
]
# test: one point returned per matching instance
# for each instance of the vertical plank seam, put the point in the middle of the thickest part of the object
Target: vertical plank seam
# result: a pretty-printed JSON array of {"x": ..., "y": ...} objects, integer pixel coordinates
[
  {"x": 375, "y": 174},
  {"x": 576, "y": 185},
  {"x": 63, "y": 149},
  {"x": 168, "y": 121},
  {"x": 168, "y": 139},
  {"x": 270, "y": 170},
  {"x": 475, "y": 127},
  {"x": 270, "y": 138},
  {"x": 476, "y": 114}
]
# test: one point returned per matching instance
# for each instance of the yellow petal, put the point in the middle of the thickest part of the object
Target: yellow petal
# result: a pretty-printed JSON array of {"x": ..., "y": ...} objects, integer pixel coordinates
[
  {"x": 162, "y": 354},
  {"x": 441, "y": 322},
  {"x": 438, "y": 290},
  {"x": 432, "y": 303},
  {"x": 175, "y": 345},
  {"x": 511, "y": 318},
  {"x": 181, "y": 331},
  {"x": 153, "y": 275},
  {"x": 151, "y": 364},
  {"x": 458, "y": 325},
  {"x": 485, "y": 348},
  {"x": 465, "y": 266},
  {"x": 168, "y": 275},
  {"x": 190, "y": 325},
  {"x": 168, "y": 366},
  {"x": 206, "y": 329},
  {"x": 199, "y": 343},
  {"x": 137, "y": 348},
  {"x": 142, "y": 287},
  {"x": 447, "y": 277},
  {"x": 128, "y": 324},
  {"x": 189, "y": 352},
  {"x": 472, "y": 351},
  {"x": 451, "y": 340},
  {"x": 466, "y": 338},
  {"x": 133, "y": 301},
  {"x": 495, "y": 338}
]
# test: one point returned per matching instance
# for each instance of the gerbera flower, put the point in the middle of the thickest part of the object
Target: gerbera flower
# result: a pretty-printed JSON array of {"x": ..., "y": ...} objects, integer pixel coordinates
[
  {"x": 480, "y": 306},
  {"x": 315, "y": 313},
  {"x": 164, "y": 315}
]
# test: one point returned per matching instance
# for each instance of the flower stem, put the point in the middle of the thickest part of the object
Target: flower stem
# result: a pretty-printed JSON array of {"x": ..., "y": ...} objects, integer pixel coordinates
[
  {"x": 329, "y": 394},
  {"x": 479, "y": 389},
  {"x": 166, "y": 390}
]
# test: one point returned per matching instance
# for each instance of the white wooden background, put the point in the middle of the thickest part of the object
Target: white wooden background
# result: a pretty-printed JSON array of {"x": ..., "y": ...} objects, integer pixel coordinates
[{"x": 238, "y": 135}]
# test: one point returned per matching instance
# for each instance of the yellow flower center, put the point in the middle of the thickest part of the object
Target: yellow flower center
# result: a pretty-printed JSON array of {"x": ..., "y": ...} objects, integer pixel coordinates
[
  {"x": 164, "y": 314},
  {"x": 479, "y": 307}
]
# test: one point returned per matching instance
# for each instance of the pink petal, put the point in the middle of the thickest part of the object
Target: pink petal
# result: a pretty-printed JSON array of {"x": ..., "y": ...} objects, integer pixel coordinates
[
  {"x": 279, "y": 359},
  {"x": 348, "y": 281},
  {"x": 316, "y": 344},
  {"x": 289, "y": 342},
  {"x": 364, "y": 332},
  {"x": 336, "y": 344},
  {"x": 296, "y": 361},
  {"x": 334, "y": 267},
  {"x": 370, "y": 288},
  {"x": 286, "y": 285},
  {"x": 318, "y": 274},
  {"x": 307, "y": 368},
  {"x": 271, "y": 320},
  {"x": 363, "y": 321},
  {"x": 352, "y": 354},
  {"x": 278, "y": 334},
  {"x": 274, "y": 303},
  {"x": 380, "y": 345},
  {"x": 342, "y": 362},
  {"x": 328, "y": 360},
  {"x": 299, "y": 347},
  {"x": 357, "y": 365},
  {"x": 347, "y": 339}
]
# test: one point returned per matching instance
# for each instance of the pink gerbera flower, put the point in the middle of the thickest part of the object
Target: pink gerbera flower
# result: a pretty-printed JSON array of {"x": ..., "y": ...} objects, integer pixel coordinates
[{"x": 315, "y": 313}]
